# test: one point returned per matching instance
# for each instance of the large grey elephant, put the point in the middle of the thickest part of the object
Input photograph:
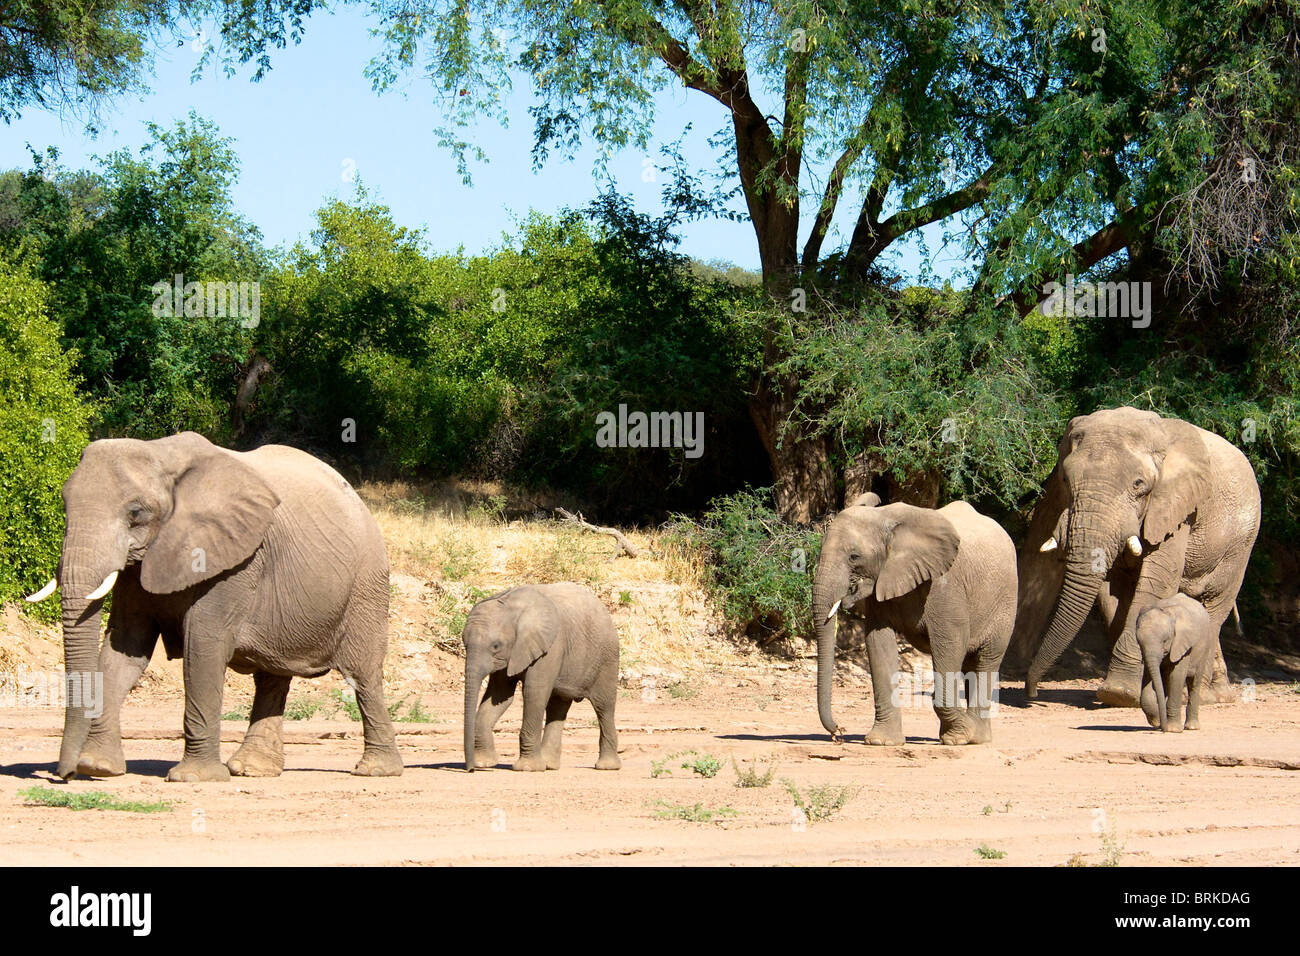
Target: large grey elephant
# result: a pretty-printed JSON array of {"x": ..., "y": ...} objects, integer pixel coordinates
[
  {"x": 944, "y": 579},
  {"x": 265, "y": 562},
  {"x": 1138, "y": 508},
  {"x": 559, "y": 641},
  {"x": 1177, "y": 638}
]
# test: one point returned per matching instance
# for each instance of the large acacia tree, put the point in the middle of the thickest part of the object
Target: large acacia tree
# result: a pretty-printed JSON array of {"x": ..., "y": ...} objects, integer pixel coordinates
[{"x": 1047, "y": 135}]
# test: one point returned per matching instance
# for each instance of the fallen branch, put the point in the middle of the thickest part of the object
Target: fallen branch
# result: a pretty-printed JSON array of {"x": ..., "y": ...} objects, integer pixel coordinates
[{"x": 631, "y": 550}]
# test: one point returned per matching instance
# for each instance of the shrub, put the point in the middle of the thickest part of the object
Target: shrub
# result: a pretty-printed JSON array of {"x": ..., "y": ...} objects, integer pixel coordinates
[
  {"x": 43, "y": 427},
  {"x": 759, "y": 569}
]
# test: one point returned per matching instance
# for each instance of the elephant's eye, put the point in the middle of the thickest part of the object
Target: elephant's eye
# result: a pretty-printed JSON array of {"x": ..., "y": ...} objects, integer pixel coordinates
[
  {"x": 854, "y": 556},
  {"x": 137, "y": 513},
  {"x": 496, "y": 646},
  {"x": 1139, "y": 485}
]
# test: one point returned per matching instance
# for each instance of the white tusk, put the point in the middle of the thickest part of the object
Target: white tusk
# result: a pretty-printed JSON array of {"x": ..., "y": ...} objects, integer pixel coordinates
[
  {"x": 1135, "y": 545},
  {"x": 1048, "y": 545},
  {"x": 44, "y": 592},
  {"x": 104, "y": 588},
  {"x": 835, "y": 608}
]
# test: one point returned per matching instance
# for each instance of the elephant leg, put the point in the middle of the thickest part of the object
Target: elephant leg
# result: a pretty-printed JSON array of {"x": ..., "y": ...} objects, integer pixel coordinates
[
  {"x": 380, "y": 757},
  {"x": 206, "y": 657},
  {"x": 557, "y": 709},
  {"x": 1150, "y": 706},
  {"x": 496, "y": 698},
  {"x": 956, "y": 725},
  {"x": 1194, "y": 703},
  {"x": 603, "y": 702},
  {"x": 262, "y": 752},
  {"x": 537, "y": 695},
  {"x": 981, "y": 674},
  {"x": 123, "y": 658},
  {"x": 882, "y": 655},
  {"x": 1176, "y": 681}
]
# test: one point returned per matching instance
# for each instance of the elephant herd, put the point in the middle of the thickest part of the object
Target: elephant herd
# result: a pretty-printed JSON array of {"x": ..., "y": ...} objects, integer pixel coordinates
[{"x": 268, "y": 563}]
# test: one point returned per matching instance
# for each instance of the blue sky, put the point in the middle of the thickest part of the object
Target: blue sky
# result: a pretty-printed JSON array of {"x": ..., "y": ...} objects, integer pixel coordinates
[{"x": 314, "y": 120}]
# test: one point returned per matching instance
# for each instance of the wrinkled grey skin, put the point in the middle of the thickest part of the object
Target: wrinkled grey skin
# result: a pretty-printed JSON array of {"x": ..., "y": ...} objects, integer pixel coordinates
[
  {"x": 944, "y": 579},
  {"x": 1190, "y": 498},
  {"x": 1177, "y": 638},
  {"x": 557, "y": 640},
  {"x": 265, "y": 562}
]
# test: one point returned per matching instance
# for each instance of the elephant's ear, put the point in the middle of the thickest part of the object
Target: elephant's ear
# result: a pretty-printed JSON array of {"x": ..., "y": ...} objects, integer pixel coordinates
[
  {"x": 922, "y": 547},
  {"x": 1181, "y": 486},
  {"x": 221, "y": 509},
  {"x": 1181, "y": 646},
  {"x": 868, "y": 499},
  {"x": 536, "y": 628}
]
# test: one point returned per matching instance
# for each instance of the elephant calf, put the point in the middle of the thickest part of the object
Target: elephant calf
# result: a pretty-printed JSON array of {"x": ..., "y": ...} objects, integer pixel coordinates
[
  {"x": 1178, "y": 638},
  {"x": 944, "y": 579},
  {"x": 559, "y": 641}
]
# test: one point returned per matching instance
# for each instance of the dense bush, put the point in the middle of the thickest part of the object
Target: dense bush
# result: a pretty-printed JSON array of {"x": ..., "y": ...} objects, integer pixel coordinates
[
  {"x": 43, "y": 425},
  {"x": 759, "y": 567}
]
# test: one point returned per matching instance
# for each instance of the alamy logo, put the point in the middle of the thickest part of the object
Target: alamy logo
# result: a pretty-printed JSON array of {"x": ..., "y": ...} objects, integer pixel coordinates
[
  {"x": 26, "y": 688},
  {"x": 1125, "y": 300},
  {"x": 74, "y": 908},
  {"x": 210, "y": 300},
  {"x": 654, "y": 430}
]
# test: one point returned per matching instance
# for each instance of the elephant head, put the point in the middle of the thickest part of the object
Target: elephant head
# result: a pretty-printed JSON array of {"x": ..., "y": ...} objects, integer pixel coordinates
[
  {"x": 1125, "y": 480},
  {"x": 180, "y": 509},
  {"x": 872, "y": 552},
  {"x": 507, "y": 631},
  {"x": 1160, "y": 637}
]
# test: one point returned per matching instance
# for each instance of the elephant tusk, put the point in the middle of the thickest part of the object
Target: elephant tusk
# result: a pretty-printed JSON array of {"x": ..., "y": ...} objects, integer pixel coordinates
[
  {"x": 44, "y": 592},
  {"x": 1135, "y": 545},
  {"x": 1048, "y": 545},
  {"x": 104, "y": 588},
  {"x": 835, "y": 607}
]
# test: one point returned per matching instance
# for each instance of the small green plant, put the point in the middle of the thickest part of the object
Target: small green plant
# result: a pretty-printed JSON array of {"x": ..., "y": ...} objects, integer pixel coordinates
[
  {"x": 706, "y": 766},
  {"x": 821, "y": 802},
  {"x": 694, "y": 814},
  {"x": 88, "y": 800},
  {"x": 985, "y": 852},
  {"x": 987, "y": 811},
  {"x": 238, "y": 713},
  {"x": 761, "y": 701},
  {"x": 1111, "y": 847},
  {"x": 303, "y": 708},
  {"x": 659, "y": 768},
  {"x": 459, "y": 560},
  {"x": 749, "y": 776},
  {"x": 490, "y": 510},
  {"x": 347, "y": 703},
  {"x": 415, "y": 713},
  {"x": 680, "y": 690},
  {"x": 625, "y": 598}
]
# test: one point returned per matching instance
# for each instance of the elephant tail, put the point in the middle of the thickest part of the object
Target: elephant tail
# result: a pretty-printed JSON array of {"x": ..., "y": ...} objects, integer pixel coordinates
[{"x": 1236, "y": 619}]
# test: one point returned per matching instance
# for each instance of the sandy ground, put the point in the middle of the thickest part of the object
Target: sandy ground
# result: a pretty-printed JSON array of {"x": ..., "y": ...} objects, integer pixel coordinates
[{"x": 1065, "y": 780}]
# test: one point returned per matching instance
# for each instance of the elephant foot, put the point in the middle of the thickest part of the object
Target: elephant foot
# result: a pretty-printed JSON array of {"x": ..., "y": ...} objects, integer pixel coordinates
[
  {"x": 379, "y": 763},
  {"x": 251, "y": 761},
  {"x": 199, "y": 771},
  {"x": 1174, "y": 727},
  {"x": 963, "y": 731},
  {"x": 1224, "y": 692},
  {"x": 552, "y": 761},
  {"x": 608, "y": 762},
  {"x": 885, "y": 734},
  {"x": 1192, "y": 724},
  {"x": 1031, "y": 689},
  {"x": 1153, "y": 720},
  {"x": 1116, "y": 694},
  {"x": 530, "y": 764},
  {"x": 485, "y": 760},
  {"x": 98, "y": 764}
]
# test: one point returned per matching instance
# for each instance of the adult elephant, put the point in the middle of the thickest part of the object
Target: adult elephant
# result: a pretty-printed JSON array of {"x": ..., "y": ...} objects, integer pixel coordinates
[
  {"x": 266, "y": 562},
  {"x": 1139, "y": 508}
]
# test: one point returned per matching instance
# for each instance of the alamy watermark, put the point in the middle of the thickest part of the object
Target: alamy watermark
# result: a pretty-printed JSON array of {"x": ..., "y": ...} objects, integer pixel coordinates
[
  {"x": 651, "y": 430},
  {"x": 1125, "y": 300},
  {"x": 208, "y": 300},
  {"x": 923, "y": 688},
  {"x": 25, "y": 688}
]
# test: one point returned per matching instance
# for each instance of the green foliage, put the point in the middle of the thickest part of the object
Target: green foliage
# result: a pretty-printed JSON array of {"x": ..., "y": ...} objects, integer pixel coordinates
[
  {"x": 759, "y": 567},
  {"x": 820, "y": 802},
  {"x": 43, "y": 427},
  {"x": 88, "y": 800},
  {"x": 696, "y": 813},
  {"x": 705, "y": 765},
  {"x": 984, "y": 852},
  {"x": 750, "y": 777}
]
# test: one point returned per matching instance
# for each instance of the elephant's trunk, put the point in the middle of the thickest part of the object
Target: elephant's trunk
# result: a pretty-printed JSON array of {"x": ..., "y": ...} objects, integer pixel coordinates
[
  {"x": 830, "y": 585},
  {"x": 1091, "y": 550},
  {"x": 473, "y": 683},
  {"x": 84, "y": 568}
]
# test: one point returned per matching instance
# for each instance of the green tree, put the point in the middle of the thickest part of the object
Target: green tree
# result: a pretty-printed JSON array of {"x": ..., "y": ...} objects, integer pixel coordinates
[{"x": 43, "y": 427}]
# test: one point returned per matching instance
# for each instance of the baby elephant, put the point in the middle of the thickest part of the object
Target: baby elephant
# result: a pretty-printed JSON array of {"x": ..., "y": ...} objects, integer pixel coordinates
[
  {"x": 1178, "y": 638},
  {"x": 560, "y": 642}
]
